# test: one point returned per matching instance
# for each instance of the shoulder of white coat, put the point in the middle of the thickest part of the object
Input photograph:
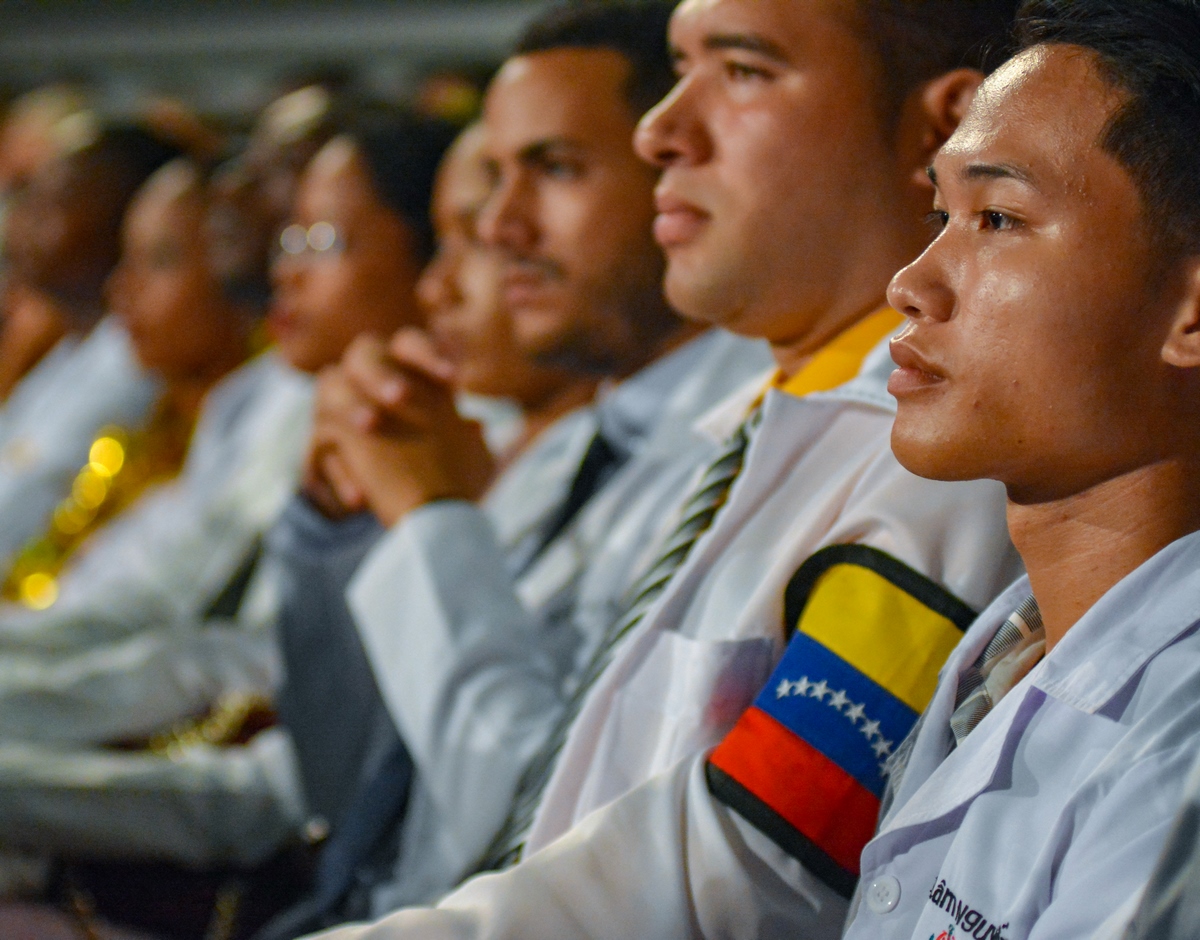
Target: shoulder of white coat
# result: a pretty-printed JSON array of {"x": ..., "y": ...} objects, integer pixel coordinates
[
  {"x": 1125, "y": 633},
  {"x": 723, "y": 367},
  {"x": 259, "y": 383},
  {"x": 869, "y": 387},
  {"x": 723, "y": 418}
]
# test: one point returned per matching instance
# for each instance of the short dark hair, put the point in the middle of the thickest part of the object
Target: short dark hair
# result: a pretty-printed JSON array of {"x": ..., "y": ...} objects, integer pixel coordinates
[
  {"x": 402, "y": 150},
  {"x": 918, "y": 40},
  {"x": 129, "y": 153},
  {"x": 1149, "y": 51},
  {"x": 636, "y": 29}
]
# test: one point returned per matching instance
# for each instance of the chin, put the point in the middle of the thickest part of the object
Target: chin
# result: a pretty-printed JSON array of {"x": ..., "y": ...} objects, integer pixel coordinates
[
  {"x": 932, "y": 456},
  {"x": 693, "y": 296}
]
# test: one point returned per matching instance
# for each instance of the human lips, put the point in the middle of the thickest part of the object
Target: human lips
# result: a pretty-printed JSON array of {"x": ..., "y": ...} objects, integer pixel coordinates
[
  {"x": 678, "y": 221},
  {"x": 282, "y": 320},
  {"x": 914, "y": 372},
  {"x": 525, "y": 281}
]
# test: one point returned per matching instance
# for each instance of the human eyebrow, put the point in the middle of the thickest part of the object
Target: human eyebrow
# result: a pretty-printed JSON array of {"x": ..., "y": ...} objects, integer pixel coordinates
[
  {"x": 747, "y": 42},
  {"x": 995, "y": 171},
  {"x": 540, "y": 150}
]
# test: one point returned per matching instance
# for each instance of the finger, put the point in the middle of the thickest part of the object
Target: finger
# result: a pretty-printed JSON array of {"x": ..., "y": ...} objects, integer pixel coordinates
[
  {"x": 339, "y": 403},
  {"x": 373, "y": 372},
  {"x": 338, "y": 475},
  {"x": 317, "y": 489},
  {"x": 415, "y": 349},
  {"x": 420, "y": 403},
  {"x": 318, "y": 492}
]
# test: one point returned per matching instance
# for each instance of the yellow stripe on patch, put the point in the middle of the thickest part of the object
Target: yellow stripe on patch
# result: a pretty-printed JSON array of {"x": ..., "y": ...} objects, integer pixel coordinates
[{"x": 865, "y": 619}]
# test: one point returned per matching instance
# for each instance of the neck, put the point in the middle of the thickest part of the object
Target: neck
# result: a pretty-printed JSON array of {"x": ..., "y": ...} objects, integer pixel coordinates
[
  {"x": 793, "y": 352},
  {"x": 543, "y": 413},
  {"x": 1078, "y": 547}
]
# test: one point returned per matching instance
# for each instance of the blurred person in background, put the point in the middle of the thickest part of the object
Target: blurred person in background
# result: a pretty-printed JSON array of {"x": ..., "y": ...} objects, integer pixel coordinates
[
  {"x": 33, "y": 132},
  {"x": 329, "y": 702},
  {"x": 466, "y": 588},
  {"x": 792, "y": 152},
  {"x": 254, "y": 192},
  {"x": 132, "y": 655},
  {"x": 63, "y": 241}
]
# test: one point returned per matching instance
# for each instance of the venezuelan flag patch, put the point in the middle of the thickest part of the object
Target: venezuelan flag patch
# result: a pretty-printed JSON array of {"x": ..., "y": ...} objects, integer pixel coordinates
[{"x": 867, "y": 636}]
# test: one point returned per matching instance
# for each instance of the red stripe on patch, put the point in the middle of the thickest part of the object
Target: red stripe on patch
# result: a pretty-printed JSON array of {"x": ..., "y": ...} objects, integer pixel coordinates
[{"x": 826, "y": 804}]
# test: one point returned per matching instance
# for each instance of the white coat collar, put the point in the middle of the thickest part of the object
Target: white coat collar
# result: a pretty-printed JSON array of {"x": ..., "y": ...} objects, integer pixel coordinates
[
  {"x": 868, "y": 388},
  {"x": 1136, "y": 619}
]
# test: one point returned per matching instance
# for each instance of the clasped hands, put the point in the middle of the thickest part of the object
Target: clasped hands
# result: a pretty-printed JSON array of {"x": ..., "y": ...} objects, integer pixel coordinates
[{"x": 386, "y": 435}]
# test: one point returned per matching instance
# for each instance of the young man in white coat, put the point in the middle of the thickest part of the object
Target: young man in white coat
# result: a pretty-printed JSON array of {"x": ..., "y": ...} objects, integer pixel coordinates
[
  {"x": 1054, "y": 345},
  {"x": 793, "y": 152},
  {"x": 465, "y": 599}
]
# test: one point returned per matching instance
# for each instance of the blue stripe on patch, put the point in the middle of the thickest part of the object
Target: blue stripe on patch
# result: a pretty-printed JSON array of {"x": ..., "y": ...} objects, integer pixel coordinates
[{"x": 824, "y": 700}]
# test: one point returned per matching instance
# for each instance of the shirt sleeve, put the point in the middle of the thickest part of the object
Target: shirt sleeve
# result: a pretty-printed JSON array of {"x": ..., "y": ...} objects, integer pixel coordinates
[
  {"x": 210, "y": 806},
  {"x": 663, "y": 862},
  {"x": 133, "y": 688},
  {"x": 463, "y": 666}
]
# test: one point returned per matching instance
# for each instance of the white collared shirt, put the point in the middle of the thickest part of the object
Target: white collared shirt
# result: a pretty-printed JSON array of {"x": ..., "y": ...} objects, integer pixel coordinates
[{"x": 1051, "y": 814}]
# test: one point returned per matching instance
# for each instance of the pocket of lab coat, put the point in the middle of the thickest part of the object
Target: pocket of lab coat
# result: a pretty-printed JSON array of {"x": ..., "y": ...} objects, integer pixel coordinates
[{"x": 683, "y": 698}]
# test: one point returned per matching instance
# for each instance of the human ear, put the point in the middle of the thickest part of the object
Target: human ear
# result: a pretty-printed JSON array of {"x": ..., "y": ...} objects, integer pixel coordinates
[
  {"x": 930, "y": 115},
  {"x": 1182, "y": 347}
]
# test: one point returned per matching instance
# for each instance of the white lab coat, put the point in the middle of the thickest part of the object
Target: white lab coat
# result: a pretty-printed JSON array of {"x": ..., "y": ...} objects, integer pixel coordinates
[
  {"x": 666, "y": 860},
  {"x": 1052, "y": 813},
  {"x": 819, "y": 472},
  {"x": 141, "y": 657},
  {"x": 211, "y": 806},
  {"x": 121, "y": 653},
  {"x": 51, "y": 418},
  {"x": 472, "y": 667}
]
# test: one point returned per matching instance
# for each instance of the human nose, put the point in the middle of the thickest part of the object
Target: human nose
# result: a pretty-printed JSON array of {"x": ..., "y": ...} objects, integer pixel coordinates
[
  {"x": 507, "y": 219},
  {"x": 287, "y": 270},
  {"x": 436, "y": 288},
  {"x": 921, "y": 290},
  {"x": 673, "y": 131}
]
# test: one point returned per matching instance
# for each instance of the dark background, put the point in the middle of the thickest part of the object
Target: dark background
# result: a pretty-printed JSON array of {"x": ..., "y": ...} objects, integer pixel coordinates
[{"x": 226, "y": 58}]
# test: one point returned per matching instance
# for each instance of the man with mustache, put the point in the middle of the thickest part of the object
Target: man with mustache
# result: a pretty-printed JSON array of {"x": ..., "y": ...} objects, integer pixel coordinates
[
  {"x": 793, "y": 151},
  {"x": 477, "y": 612}
]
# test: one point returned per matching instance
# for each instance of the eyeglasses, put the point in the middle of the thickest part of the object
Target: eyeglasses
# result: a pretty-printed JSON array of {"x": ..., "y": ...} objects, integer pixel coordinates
[{"x": 319, "y": 238}]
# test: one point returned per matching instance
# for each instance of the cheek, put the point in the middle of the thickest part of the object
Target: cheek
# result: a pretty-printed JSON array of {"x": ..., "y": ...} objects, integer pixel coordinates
[
  {"x": 333, "y": 296},
  {"x": 573, "y": 231},
  {"x": 602, "y": 226}
]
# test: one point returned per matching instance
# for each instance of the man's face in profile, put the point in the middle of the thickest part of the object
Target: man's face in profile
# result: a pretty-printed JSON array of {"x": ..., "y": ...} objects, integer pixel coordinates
[
  {"x": 571, "y": 210},
  {"x": 1038, "y": 315},
  {"x": 781, "y": 193}
]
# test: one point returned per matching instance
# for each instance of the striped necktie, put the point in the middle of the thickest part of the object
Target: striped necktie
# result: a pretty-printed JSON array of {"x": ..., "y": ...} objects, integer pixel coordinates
[
  {"x": 1009, "y": 657},
  {"x": 696, "y": 517}
]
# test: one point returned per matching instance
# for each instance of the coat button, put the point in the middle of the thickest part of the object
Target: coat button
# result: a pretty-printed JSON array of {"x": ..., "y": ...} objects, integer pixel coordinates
[{"x": 883, "y": 894}]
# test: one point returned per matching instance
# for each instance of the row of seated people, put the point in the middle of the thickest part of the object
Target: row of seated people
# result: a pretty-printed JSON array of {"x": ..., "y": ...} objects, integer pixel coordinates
[{"x": 696, "y": 651}]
